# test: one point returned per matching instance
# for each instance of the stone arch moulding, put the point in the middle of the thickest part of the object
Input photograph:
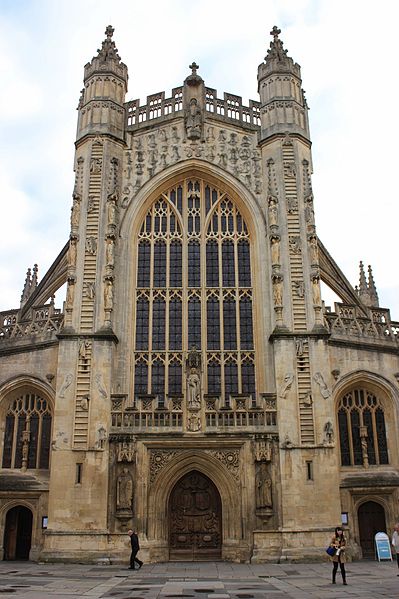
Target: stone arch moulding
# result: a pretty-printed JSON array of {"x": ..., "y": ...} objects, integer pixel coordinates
[
  {"x": 371, "y": 496},
  {"x": 28, "y": 383},
  {"x": 184, "y": 462},
  {"x": 245, "y": 200},
  {"x": 19, "y": 501},
  {"x": 365, "y": 377}
]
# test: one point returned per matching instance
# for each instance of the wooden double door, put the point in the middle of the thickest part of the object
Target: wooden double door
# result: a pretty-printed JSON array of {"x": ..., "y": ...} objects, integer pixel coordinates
[
  {"x": 18, "y": 533},
  {"x": 371, "y": 517},
  {"x": 195, "y": 519}
]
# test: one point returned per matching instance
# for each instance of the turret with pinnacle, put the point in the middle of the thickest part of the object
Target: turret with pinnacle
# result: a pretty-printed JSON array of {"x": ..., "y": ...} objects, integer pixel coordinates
[
  {"x": 100, "y": 107},
  {"x": 283, "y": 104}
]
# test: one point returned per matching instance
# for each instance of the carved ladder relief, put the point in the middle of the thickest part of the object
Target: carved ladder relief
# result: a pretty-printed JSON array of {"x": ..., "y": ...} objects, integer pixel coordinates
[
  {"x": 303, "y": 378},
  {"x": 90, "y": 259}
]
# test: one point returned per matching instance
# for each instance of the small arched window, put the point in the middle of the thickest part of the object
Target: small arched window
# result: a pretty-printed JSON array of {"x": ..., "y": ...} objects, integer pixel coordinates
[
  {"x": 27, "y": 433},
  {"x": 362, "y": 433}
]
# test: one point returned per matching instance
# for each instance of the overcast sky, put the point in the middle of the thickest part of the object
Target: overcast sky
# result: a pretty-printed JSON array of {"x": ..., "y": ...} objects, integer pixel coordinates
[{"x": 348, "y": 51}]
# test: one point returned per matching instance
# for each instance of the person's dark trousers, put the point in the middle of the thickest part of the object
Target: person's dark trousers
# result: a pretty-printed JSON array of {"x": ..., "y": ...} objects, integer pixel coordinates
[
  {"x": 334, "y": 572},
  {"x": 133, "y": 559}
]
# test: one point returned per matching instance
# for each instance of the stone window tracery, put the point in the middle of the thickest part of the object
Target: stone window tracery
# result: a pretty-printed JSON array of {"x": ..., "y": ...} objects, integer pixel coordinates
[
  {"x": 362, "y": 430},
  {"x": 27, "y": 433},
  {"x": 194, "y": 289}
]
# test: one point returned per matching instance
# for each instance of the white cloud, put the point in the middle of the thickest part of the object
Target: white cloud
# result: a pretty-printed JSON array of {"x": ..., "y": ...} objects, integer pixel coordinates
[{"x": 349, "y": 74}]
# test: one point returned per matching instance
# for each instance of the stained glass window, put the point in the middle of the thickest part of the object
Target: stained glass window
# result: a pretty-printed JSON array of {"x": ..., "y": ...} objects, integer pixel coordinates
[
  {"x": 27, "y": 435},
  {"x": 194, "y": 289},
  {"x": 362, "y": 431}
]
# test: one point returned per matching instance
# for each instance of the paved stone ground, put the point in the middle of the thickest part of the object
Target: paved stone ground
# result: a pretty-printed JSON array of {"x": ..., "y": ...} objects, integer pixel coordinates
[{"x": 368, "y": 580}]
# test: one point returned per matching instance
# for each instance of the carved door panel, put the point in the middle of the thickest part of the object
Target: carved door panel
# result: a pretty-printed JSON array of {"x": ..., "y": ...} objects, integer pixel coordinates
[
  {"x": 195, "y": 519},
  {"x": 371, "y": 520}
]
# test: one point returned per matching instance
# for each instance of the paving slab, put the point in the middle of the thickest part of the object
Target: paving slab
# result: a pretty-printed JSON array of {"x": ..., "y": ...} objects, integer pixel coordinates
[{"x": 219, "y": 580}]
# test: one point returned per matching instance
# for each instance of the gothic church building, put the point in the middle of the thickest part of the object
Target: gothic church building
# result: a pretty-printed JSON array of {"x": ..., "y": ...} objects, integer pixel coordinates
[{"x": 195, "y": 386}]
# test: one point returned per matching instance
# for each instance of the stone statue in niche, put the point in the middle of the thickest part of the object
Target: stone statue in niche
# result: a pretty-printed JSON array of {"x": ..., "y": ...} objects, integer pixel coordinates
[
  {"x": 314, "y": 258},
  {"x": 273, "y": 211},
  {"x": 112, "y": 211},
  {"x": 278, "y": 291},
  {"x": 75, "y": 211},
  {"x": 124, "y": 491},
  {"x": 275, "y": 249},
  {"x": 263, "y": 487},
  {"x": 72, "y": 252},
  {"x": 109, "y": 252},
  {"x": 70, "y": 295},
  {"x": 194, "y": 390},
  {"x": 108, "y": 295},
  {"x": 309, "y": 212},
  {"x": 194, "y": 120},
  {"x": 316, "y": 290}
]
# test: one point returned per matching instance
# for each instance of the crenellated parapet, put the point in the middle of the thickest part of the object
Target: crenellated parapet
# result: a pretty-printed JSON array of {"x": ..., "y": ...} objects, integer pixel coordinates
[{"x": 157, "y": 108}]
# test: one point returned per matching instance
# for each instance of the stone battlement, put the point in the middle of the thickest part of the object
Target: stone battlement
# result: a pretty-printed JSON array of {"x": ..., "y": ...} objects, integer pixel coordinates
[{"x": 229, "y": 109}]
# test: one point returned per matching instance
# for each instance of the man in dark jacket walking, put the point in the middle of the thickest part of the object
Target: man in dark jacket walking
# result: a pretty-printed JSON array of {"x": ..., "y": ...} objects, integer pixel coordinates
[{"x": 134, "y": 541}]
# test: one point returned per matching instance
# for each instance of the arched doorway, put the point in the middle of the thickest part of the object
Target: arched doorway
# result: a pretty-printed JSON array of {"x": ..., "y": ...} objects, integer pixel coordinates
[
  {"x": 371, "y": 517},
  {"x": 18, "y": 533},
  {"x": 195, "y": 519}
]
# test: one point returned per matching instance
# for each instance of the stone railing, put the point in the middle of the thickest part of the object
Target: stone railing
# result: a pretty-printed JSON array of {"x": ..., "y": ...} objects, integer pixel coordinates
[
  {"x": 229, "y": 109},
  {"x": 149, "y": 413},
  {"x": 41, "y": 322},
  {"x": 349, "y": 322}
]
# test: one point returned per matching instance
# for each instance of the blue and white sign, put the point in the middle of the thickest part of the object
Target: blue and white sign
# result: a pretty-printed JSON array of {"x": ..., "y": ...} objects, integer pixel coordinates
[{"x": 382, "y": 546}]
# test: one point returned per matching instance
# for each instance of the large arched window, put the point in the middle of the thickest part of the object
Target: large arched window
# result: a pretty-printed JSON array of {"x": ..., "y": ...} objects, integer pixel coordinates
[
  {"x": 194, "y": 289},
  {"x": 27, "y": 434},
  {"x": 362, "y": 432}
]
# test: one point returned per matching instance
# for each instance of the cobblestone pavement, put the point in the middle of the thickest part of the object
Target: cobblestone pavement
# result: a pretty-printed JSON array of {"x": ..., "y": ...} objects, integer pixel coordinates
[{"x": 368, "y": 580}]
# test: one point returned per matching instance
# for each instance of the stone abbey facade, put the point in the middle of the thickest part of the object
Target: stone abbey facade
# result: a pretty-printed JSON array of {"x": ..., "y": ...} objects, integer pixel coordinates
[{"x": 194, "y": 385}]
